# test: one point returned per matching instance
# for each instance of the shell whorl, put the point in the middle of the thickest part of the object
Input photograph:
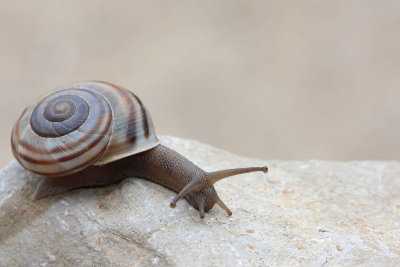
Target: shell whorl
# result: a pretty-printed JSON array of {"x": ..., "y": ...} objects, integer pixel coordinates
[
  {"x": 58, "y": 115},
  {"x": 81, "y": 124}
]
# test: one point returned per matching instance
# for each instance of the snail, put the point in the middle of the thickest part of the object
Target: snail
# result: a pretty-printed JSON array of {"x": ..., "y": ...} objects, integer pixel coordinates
[{"x": 95, "y": 133}]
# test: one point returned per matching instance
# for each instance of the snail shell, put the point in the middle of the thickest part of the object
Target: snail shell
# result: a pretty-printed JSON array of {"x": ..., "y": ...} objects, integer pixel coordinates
[{"x": 81, "y": 124}]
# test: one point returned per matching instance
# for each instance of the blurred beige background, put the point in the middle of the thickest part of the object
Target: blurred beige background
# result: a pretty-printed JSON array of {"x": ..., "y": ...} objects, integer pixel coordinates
[{"x": 266, "y": 79}]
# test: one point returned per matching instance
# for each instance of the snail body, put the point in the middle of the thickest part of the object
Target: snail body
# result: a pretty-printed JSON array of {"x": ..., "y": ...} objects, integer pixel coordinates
[{"x": 96, "y": 133}]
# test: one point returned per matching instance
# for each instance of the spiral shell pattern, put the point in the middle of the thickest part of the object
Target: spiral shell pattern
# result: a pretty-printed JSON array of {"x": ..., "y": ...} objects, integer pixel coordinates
[{"x": 79, "y": 125}]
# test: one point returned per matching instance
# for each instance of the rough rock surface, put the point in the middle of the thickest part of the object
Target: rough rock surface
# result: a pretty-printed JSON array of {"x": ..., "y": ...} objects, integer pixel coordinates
[{"x": 300, "y": 213}]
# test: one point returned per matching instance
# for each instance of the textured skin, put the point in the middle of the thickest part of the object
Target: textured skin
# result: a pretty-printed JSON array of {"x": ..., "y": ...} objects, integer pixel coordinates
[
  {"x": 96, "y": 133},
  {"x": 161, "y": 165}
]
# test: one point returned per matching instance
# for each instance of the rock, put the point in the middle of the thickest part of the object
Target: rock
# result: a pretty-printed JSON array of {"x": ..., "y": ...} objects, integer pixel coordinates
[{"x": 300, "y": 213}]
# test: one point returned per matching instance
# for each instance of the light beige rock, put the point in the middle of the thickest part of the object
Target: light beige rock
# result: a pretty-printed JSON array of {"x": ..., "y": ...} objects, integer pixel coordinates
[{"x": 300, "y": 213}]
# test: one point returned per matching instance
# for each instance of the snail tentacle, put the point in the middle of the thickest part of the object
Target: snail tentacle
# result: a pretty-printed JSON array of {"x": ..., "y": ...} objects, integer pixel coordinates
[
  {"x": 96, "y": 133},
  {"x": 195, "y": 184}
]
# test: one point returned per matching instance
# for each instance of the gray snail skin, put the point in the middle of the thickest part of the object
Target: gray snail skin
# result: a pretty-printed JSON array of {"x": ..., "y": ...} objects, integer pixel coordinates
[{"x": 95, "y": 133}]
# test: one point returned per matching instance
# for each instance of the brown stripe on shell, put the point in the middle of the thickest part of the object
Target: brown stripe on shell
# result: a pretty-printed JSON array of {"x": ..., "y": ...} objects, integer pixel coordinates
[
  {"x": 80, "y": 166},
  {"x": 13, "y": 147},
  {"x": 131, "y": 130},
  {"x": 65, "y": 158},
  {"x": 74, "y": 155},
  {"x": 145, "y": 123},
  {"x": 130, "y": 105},
  {"x": 22, "y": 143},
  {"x": 31, "y": 148},
  {"x": 15, "y": 137},
  {"x": 131, "y": 133},
  {"x": 17, "y": 133},
  {"x": 27, "y": 146},
  {"x": 86, "y": 136}
]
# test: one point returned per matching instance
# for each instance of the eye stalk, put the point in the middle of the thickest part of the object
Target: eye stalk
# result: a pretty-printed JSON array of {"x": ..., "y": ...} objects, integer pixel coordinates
[
  {"x": 210, "y": 178},
  {"x": 96, "y": 133}
]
